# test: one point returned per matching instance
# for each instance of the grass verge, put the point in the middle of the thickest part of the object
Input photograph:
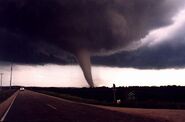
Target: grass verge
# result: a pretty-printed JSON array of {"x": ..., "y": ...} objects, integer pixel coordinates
[
  {"x": 5, "y": 94},
  {"x": 74, "y": 98}
]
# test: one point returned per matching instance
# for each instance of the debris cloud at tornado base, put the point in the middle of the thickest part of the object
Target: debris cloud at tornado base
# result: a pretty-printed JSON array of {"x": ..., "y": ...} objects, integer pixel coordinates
[{"x": 44, "y": 31}]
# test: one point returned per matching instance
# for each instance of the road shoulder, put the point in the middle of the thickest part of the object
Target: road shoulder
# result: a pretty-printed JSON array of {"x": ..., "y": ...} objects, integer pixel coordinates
[{"x": 6, "y": 105}]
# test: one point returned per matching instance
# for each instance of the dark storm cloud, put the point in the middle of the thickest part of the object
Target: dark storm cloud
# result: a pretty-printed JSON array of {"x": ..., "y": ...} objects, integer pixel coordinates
[
  {"x": 163, "y": 57},
  {"x": 49, "y": 31},
  {"x": 14, "y": 49},
  {"x": 168, "y": 54},
  {"x": 38, "y": 31}
]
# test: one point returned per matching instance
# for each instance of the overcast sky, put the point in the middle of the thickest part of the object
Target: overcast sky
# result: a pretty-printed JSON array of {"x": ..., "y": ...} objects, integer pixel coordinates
[
  {"x": 71, "y": 76},
  {"x": 131, "y": 42}
]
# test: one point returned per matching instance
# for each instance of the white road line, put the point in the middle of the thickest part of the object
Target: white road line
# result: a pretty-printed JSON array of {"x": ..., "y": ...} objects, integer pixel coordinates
[
  {"x": 51, "y": 106},
  {"x": 2, "y": 119},
  {"x": 66, "y": 100}
]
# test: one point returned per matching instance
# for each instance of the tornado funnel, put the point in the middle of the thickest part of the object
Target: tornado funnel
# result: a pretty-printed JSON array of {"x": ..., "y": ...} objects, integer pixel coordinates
[{"x": 83, "y": 58}]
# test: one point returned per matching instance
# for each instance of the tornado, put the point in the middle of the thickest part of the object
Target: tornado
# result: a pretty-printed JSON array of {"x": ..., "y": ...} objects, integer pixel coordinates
[
  {"x": 45, "y": 31},
  {"x": 83, "y": 57}
]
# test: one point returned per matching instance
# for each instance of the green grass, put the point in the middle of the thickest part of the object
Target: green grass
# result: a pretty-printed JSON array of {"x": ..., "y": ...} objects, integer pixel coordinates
[
  {"x": 132, "y": 104},
  {"x": 5, "y": 94},
  {"x": 74, "y": 98}
]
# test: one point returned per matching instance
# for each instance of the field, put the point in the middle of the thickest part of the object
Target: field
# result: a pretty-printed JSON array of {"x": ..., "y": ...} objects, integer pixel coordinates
[
  {"x": 168, "y": 97},
  {"x": 6, "y": 93}
]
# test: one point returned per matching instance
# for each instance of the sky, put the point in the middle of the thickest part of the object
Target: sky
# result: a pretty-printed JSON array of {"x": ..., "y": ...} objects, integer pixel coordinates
[
  {"x": 71, "y": 76},
  {"x": 130, "y": 43}
]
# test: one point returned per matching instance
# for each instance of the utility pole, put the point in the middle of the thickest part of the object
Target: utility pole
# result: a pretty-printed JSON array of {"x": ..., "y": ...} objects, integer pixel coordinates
[
  {"x": 114, "y": 93},
  {"x": 11, "y": 75},
  {"x": 1, "y": 80}
]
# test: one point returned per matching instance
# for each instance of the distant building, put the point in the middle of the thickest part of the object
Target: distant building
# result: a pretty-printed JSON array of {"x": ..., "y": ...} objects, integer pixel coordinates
[{"x": 131, "y": 96}]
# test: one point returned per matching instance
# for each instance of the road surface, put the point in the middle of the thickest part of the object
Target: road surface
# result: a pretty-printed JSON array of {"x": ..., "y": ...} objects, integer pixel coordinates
[{"x": 31, "y": 106}]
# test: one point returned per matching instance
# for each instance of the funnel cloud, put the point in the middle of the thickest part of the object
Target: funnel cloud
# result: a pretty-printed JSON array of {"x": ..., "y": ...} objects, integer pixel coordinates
[
  {"x": 52, "y": 31},
  {"x": 83, "y": 57}
]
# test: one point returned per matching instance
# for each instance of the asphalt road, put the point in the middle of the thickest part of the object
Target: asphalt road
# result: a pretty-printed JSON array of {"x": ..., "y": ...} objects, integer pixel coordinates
[{"x": 30, "y": 106}]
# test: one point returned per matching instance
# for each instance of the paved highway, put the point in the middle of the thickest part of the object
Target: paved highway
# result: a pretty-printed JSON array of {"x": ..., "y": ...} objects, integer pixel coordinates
[{"x": 30, "y": 106}]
